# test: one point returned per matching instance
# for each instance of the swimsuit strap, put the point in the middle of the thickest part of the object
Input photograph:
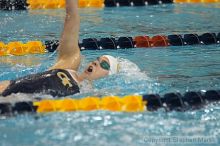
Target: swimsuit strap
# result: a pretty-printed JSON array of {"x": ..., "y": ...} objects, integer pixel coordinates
[{"x": 70, "y": 71}]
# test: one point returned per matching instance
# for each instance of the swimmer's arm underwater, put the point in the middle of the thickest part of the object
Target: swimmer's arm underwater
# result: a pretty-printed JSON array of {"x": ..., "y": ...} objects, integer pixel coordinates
[{"x": 68, "y": 49}]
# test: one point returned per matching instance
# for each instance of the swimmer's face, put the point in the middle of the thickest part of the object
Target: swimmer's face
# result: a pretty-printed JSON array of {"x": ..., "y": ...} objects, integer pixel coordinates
[{"x": 97, "y": 69}]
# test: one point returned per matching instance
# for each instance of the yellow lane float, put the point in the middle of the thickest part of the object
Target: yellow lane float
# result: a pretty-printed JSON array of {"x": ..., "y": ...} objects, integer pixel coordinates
[
  {"x": 131, "y": 103},
  {"x": 18, "y": 48},
  {"x": 53, "y": 4}
]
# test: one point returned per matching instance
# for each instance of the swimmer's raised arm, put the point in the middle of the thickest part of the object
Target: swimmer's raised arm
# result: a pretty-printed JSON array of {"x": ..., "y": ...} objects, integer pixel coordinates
[{"x": 68, "y": 49}]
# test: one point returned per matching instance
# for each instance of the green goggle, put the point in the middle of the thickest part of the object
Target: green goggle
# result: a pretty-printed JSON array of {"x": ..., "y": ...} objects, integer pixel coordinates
[{"x": 104, "y": 64}]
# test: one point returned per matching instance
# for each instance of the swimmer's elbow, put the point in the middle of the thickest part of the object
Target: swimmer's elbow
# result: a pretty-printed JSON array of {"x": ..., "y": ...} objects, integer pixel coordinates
[{"x": 3, "y": 86}]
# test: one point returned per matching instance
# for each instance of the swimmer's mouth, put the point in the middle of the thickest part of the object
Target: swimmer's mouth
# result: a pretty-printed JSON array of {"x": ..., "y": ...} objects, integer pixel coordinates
[{"x": 90, "y": 69}]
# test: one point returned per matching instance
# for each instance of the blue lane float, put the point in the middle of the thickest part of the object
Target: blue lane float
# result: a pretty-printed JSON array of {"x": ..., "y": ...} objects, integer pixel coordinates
[
  {"x": 191, "y": 39},
  {"x": 208, "y": 38},
  {"x": 121, "y": 3},
  {"x": 181, "y": 102},
  {"x": 146, "y": 42},
  {"x": 108, "y": 43}
]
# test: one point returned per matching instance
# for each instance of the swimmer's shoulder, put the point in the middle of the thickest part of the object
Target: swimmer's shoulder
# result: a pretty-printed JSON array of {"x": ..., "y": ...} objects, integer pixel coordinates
[
  {"x": 70, "y": 71},
  {"x": 73, "y": 74},
  {"x": 68, "y": 61}
]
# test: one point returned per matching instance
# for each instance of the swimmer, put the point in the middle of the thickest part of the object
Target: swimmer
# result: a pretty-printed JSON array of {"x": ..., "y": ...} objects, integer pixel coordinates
[{"x": 62, "y": 79}]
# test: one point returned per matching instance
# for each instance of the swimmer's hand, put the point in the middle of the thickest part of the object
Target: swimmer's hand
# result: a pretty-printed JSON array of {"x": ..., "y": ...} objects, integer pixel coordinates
[{"x": 71, "y": 6}]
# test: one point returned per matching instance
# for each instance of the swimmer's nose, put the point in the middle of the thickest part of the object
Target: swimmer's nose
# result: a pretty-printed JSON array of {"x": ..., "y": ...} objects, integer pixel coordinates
[{"x": 95, "y": 63}]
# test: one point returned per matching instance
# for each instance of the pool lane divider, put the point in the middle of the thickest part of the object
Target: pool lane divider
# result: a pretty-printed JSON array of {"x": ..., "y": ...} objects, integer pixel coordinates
[
  {"x": 54, "y": 4},
  {"x": 191, "y": 100},
  {"x": 38, "y": 47},
  {"x": 18, "y": 48}
]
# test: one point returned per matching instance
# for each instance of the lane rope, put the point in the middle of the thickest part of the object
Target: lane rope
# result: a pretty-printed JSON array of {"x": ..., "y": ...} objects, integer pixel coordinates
[
  {"x": 191, "y": 100},
  {"x": 54, "y": 4},
  {"x": 36, "y": 47}
]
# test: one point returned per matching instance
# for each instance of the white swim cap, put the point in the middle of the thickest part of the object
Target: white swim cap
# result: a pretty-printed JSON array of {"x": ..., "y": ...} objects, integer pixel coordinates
[{"x": 114, "y": 65}]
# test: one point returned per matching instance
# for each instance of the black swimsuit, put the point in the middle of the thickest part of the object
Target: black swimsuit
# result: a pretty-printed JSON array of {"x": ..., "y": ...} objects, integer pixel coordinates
[{"x": 56, "y": 82}]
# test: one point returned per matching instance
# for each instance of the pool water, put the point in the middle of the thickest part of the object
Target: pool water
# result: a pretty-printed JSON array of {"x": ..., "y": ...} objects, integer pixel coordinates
[{"x": 157, "y": 70}]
